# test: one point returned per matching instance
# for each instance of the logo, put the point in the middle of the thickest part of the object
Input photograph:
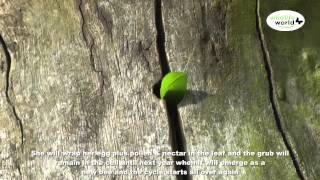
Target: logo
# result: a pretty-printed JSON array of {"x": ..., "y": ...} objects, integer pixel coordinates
[{"x": 285, "y": 20}]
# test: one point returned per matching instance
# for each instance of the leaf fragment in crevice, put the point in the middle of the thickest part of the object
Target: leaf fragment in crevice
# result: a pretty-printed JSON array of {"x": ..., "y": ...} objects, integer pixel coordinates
[{"x": 173, "y": 87}]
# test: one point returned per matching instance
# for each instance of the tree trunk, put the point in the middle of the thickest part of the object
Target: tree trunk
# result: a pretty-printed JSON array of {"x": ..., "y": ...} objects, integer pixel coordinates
[{"x": 81, "y": 76}]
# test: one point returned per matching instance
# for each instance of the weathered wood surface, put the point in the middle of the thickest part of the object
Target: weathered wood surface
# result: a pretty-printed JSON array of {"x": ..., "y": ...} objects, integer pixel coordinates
[
  {"x": 295, "y": 61},
  {"x": 228, "y": 106},
  {"x": 81, "y": 79},
  {"x": 82, "y": 72}
]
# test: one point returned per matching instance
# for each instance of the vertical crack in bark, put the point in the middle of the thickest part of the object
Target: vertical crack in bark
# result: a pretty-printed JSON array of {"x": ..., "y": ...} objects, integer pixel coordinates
[
  {"x": 178, "y": 141},
  {"x": 161, "y": 39},
  {"x": 11, "y": 104},
  {"x": 272, "y": 94},
  {"x": 83, "y": 22},
  {"x": 90, "y": 43}
]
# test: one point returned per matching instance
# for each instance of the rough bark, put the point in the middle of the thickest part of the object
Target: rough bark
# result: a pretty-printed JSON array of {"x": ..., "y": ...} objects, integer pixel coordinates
[
  {"x": 228, "y": 106},
  {"x": 295, "y": 62},
  {"x": 77, "y": 75},
  {"x": 81, "y": 78}
]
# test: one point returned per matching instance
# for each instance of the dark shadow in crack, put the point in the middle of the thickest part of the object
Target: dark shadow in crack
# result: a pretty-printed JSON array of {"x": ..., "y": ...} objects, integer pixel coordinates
[{"x": 156, "y": 89}]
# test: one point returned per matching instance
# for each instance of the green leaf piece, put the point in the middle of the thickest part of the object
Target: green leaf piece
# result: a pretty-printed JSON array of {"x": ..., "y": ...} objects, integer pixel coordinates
[{"x": 173, "y": 87}]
